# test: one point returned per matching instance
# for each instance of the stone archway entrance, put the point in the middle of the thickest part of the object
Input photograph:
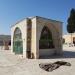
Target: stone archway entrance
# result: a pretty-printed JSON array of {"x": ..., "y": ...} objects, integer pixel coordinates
[
  {"x": 45, "y": 42},
  {"x": 17, "y": 42}
]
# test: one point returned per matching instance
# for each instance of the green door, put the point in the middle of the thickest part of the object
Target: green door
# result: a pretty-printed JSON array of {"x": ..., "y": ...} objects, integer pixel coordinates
[
  {"x": 17, "y": 42},
  {"x": 18, "y": 47}
]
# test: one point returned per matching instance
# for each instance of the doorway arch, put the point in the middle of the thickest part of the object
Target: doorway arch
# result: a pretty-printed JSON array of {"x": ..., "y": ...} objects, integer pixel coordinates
[
  {"x": 17, "y": 41},
  {"x": 46, "y": 41}
]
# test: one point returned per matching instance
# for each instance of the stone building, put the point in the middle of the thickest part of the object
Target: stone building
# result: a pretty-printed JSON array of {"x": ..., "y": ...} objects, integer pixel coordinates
[
  {"x": 5, "y": 42},
  {"x": 69, "y": 39},
  {"x": 36, "y": 37}
]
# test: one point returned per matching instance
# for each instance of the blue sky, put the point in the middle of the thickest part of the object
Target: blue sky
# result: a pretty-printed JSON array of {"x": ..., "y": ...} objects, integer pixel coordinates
[{"x": 14, "y": 10}]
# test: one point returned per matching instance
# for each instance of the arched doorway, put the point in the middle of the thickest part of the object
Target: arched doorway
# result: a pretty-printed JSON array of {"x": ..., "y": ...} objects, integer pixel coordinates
[
  {"x": 17, "y": 42},
  {"x": 45, "y": 42}
]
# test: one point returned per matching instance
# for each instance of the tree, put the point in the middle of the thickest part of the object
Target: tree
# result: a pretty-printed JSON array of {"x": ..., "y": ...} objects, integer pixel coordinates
[{"x": 71, "y": 23}]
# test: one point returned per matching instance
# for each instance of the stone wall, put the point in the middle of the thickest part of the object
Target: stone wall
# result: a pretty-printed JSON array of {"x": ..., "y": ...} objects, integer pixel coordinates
[{"x": 37, "y": 25}]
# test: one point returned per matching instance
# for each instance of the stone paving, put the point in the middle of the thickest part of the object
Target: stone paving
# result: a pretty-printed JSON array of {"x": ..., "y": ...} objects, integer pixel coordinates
[{"x": 11, "y": 64}]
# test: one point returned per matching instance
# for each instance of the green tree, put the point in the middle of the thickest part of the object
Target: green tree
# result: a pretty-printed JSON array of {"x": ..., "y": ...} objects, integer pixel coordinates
[{"x": 71, "y": 23}]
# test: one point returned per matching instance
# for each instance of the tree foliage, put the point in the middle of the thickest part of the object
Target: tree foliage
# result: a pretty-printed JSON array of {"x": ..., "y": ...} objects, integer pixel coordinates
[{"x": 71, "y": 22}]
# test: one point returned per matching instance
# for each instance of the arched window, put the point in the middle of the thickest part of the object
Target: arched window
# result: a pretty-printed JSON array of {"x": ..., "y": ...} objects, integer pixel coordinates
[
  {"x": 17, "y": 42},
  {"x": 17, "y": 34},
  {"x": 46, "y": 41}
]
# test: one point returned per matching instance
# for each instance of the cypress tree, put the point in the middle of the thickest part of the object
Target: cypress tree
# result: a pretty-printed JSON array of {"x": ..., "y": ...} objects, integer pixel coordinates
[{"x": 71, "y": 22}]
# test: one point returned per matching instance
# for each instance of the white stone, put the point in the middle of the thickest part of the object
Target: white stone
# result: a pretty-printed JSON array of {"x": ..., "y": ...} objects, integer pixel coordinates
[{"x": 37, "y": 25}]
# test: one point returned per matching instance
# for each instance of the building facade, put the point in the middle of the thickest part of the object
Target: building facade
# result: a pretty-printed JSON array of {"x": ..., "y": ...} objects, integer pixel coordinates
[
  {"x": 35, "y": 37},
  {"x": 69, "y": 39}
]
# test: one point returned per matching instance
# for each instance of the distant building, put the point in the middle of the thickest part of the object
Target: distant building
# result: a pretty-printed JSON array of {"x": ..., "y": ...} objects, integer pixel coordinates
[
  {"x": 36, "y": 37},
  {"x": 5, "y": 42},
  {"x": 69, "y": 39}
]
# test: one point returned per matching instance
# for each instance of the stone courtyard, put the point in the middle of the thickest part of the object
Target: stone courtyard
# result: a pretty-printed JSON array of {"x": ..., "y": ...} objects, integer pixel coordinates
[{"x": 11, "y": 64}]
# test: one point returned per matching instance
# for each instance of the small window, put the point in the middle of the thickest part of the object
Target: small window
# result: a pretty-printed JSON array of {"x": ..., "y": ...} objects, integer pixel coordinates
[{"x": 17, "y": 34}]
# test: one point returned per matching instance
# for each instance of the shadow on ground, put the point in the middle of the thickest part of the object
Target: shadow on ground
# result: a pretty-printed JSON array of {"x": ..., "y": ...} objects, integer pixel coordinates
[{"x": 66, "y": 54}]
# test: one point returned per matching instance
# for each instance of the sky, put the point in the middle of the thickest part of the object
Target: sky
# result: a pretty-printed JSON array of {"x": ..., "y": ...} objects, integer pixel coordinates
[{"x": 12, "y": 11}]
